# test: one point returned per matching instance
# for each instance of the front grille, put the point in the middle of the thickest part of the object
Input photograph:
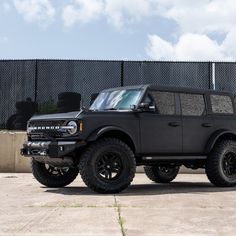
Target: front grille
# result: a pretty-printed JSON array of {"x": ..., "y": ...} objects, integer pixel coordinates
[{"x": 46, "y": 129}]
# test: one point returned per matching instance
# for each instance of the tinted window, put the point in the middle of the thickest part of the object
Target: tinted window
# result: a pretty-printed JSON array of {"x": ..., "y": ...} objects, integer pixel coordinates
[
  {"x": 192, "y": 104},
  {"x": 165, "y": 102},
  {"x": 221, "y": 104}
]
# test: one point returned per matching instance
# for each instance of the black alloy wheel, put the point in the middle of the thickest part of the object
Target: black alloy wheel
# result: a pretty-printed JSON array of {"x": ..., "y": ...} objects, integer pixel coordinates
[
  {"x": 221, "y": 164},
  {"x": 56, "y": 171},
  {"x": 229, "y": 164},
  {"x": 52, "y": 176},
  {"x": 109, "y": 166},
  {"x": 161, "y": 174}
]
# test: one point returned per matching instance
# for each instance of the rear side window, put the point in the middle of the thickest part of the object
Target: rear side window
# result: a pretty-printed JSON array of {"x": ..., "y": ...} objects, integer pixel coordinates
[
  {"x": 164, "y": 101},
  {"x": 192, "y": 104},
  {"x": 221, "y": 104}
]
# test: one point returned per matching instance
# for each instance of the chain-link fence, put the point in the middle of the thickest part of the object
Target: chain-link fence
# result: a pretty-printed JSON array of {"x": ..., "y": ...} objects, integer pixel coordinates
[
  {"x": 49, "y": 86},
  {"x": 17, "y": 83},
  {"x": 184, "y": 74},
  {"x": 225, "y": 76}
]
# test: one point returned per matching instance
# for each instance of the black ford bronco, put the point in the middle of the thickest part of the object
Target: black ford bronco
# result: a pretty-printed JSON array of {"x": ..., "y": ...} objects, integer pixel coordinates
[{"x": 160, "y": 128}]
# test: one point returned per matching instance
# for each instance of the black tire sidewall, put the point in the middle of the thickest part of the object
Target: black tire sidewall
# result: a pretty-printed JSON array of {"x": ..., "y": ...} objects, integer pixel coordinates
[
  {"x": 126, "y": 165},
  {"x": 214, "y": 164},
  {"x": 69, "y": 96},
  {"x": 167, "y": 176},
  {"x": 90, "y": 175},
  {"x": 42, "y": 176},
  {"x": 156, "y": 175},
  {"x": 228, "y": 148}
]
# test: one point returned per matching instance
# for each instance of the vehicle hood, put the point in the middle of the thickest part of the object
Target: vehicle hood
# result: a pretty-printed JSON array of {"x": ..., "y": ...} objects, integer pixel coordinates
[{"x": 68, "y": 115}]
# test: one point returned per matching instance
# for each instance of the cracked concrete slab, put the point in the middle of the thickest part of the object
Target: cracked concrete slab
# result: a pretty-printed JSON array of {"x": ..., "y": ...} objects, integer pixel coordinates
[{"x": 188, "y": 206}]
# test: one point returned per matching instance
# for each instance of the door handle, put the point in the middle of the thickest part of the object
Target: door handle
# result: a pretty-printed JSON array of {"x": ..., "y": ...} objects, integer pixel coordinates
[
  {"x": 174, "y": 124},
  {"x": 206, "y": 125}
]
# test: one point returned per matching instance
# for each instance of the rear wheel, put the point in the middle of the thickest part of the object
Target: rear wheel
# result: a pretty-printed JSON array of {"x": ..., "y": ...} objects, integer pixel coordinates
[
  {"x": 161, "y": 174},
  {"x": 108, "y": 166},
  {"x": 51, "y": 176},
  {"x": 221, "y": 164}
]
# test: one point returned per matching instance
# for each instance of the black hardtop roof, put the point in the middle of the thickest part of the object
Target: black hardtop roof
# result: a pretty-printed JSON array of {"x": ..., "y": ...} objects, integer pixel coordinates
[{"x": 172, "y": 89}]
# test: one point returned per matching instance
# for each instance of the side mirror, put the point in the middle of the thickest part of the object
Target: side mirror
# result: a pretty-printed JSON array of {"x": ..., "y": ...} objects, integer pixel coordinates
[
  {"x": 144, "y": 106},
  {"x": 133, "y": 107}
]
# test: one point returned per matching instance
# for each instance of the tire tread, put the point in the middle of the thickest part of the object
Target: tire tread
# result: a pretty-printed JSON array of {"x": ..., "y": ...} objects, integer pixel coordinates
[
  {"x": 212, "y": 164},
  {"x": 86, "y": 175},
  {"x": 152, "y": 173},
  {"x": 52, "y": 182}
]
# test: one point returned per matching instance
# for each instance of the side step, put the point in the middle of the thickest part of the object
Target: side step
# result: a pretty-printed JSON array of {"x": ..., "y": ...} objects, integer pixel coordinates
[{"x": 164, "y": 158}]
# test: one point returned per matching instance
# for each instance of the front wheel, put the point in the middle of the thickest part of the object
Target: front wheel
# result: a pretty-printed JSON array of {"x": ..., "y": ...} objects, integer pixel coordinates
[
  {"x": 221, "y": 164},
  {"x": 161, "y": 174},
  {"x": 51, "y": 176},
  {"x": 108, "y": 166}
]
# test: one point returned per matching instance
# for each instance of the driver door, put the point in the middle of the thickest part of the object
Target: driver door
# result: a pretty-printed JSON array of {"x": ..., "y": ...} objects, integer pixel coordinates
[{"x": 161, "y": 130}]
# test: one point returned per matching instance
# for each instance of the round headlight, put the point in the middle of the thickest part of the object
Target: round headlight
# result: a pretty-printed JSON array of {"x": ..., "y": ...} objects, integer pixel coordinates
[{"x": 73, "y": 127}]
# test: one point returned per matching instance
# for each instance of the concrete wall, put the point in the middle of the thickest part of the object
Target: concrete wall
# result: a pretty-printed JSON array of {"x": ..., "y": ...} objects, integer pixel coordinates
[
  {"x": 12, "y": 161},
  {"x": 10, "y": 158}
]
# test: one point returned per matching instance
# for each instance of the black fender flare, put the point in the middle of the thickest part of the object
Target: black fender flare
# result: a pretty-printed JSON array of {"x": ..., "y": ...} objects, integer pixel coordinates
[
  {"x": 100, "y": 131},
  {"x": 215, "y": 136}
]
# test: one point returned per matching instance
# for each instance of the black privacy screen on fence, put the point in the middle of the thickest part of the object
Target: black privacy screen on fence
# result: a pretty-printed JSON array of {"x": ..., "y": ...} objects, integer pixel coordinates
[
  {"x": 184, "y": 74},
  {"x": 29, "y": 87}
]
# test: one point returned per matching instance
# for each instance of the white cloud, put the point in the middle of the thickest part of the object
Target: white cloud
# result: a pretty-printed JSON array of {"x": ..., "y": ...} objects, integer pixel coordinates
[
  {"x": 117, "y": 12},
  {"x": 82, "y": 11},
  {"x": 196, "y": 21},
  {"x": 190, "y": 15},
  {"x": 190, "y": 46},
  {"x": 199, "y": 16},
  {"x": 228, "y": 44},
  {"x": 120, "y": 13},
  {"x": 39, "y": 11},
  {"x": 159, "y": 49}
]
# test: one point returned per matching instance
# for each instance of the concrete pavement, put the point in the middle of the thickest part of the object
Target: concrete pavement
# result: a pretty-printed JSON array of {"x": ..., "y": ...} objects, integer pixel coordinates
[{"x": 188, "y": 206}]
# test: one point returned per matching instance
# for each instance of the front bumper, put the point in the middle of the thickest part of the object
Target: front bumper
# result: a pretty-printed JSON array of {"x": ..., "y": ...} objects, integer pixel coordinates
[{"x": 52, "y": 149}]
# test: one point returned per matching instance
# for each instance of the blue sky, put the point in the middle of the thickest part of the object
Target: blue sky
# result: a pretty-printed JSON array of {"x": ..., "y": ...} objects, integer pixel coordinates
[{"x": 118, "y": 29}]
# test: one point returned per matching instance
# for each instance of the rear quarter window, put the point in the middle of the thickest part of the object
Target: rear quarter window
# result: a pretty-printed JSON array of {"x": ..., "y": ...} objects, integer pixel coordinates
[
  {"x": 192, "y": 104},
  {"x": 221, "y": 104}
]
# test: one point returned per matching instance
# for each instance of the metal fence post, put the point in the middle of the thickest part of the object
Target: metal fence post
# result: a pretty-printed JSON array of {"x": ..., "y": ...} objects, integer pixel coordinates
[
  {"x": 212, "y": 75},
  {"x": 36, "y": 81},
  {"x": 213, "y": 68},
  {"x": 122, "y": 74}
]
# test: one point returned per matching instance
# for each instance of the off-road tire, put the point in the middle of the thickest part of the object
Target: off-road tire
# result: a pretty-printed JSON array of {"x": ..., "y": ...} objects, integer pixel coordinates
[
  {"x": 90, "y": 157},
  {"x": 155, "y": 174},
  {"x": 69, "y": 96},
  {"x": 44, "y": 177},
  {"x": 10, "y": 125},
  {"x": 70, "y": 103},
  {"x": 214, "y": 164}
]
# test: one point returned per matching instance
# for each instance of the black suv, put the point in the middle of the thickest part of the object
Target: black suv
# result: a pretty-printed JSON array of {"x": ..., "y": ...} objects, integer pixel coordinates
[{"x": 160, "y": 128}]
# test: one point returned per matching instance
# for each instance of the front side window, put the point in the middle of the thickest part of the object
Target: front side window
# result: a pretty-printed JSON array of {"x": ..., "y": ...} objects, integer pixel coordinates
[
  {"x": 116, "y": 100},
  {"x": 192, "y": 104},
  {"x": 221, "y": 104},
  {"x": 164, "y": 101}
]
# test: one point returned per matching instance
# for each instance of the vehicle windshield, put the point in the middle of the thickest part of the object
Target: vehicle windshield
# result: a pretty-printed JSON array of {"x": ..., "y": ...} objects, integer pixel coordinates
[{"x": 116, "y": 100}]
